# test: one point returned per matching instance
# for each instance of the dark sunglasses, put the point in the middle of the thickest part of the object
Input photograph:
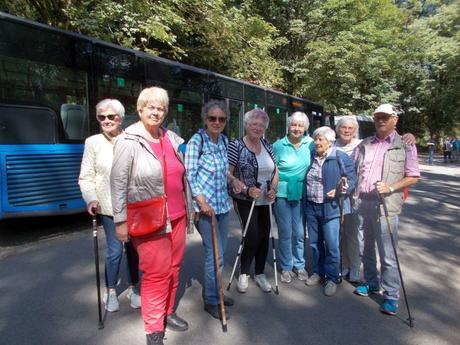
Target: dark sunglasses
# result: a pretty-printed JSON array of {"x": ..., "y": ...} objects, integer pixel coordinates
[
  {"x": 217, "y": 118},
  {"x": 111, "y": 117}
]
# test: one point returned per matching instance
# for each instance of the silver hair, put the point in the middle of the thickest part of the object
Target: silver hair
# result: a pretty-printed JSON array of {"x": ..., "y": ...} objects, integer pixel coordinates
[
  {"x": 298, "y": 116},
  {"x": 110, "y": 103},
  {"x": 326, "y": 132},
  {"x": 347, "y": 119},
  {"x": 214, "y": 103},
  {"x": 254, "y": 114}
]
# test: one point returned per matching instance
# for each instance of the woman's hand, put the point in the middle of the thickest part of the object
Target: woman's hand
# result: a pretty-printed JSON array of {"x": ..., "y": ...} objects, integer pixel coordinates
[
  {"x": 254, "y": 192},
  {"x": 331, "y": 194},
  {"x": 238, "y": 186},
  {"x": 93, "y": 207},
  {"x": 121, "y": 230},
  {"x": 205, "y": 208},
  {"x": 271, "y": 194}
]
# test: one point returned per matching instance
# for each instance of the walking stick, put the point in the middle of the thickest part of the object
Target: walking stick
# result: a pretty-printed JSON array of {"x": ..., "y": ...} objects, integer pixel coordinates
[
  {"x": 342, "y": 219},
  {"x": 98, "y": 279},
  {"x": 219, "y": 274},
  {"x": 273, "y": 241},
  {"x": 240, "y": 249},
  {"x": 385, "y": 210}
]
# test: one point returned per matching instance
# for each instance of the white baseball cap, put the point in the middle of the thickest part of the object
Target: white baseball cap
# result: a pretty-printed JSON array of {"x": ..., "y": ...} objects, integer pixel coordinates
[{"x": 386, "y": 108}]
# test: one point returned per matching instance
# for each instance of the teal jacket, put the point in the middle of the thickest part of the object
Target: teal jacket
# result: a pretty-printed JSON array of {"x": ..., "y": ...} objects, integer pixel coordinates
[{"x": 292, "y": 165}]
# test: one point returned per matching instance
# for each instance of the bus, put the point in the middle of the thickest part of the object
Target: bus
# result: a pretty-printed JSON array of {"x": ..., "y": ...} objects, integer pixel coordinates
[{"x": 50, "y": 82}]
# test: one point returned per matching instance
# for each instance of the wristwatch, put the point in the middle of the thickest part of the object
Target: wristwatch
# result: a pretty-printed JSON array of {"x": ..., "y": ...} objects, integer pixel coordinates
[{"x": 391, "y": 189}]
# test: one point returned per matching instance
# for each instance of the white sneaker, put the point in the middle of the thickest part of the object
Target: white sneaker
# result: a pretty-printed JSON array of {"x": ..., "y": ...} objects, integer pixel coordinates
[
  {"x": 135, "y": 299},
  {"x": 111, "y": 301},
  {"x": 243, "y": 282},
  {"x": 262, "y": 282},
  {"x": 314, "y": 279}
]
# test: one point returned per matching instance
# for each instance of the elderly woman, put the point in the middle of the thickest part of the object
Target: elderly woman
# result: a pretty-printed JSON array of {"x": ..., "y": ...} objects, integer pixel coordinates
[
  {"x": 330, "y": 177},
  {"x": 293, "y": 157},
  {"x": 252, "y": 161},
  {"x": 147, "y": 164},
  {"x": 352, "y": 241},
  {"x": 207, "y": 172},
  {"x": 94, "y": 183}
]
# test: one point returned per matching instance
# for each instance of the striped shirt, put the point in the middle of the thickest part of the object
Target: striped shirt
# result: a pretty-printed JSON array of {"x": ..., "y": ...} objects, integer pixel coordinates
[{"x": 206, "y": 167}]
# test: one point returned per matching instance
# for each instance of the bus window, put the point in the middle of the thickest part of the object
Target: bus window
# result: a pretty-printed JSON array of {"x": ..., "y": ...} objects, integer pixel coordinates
[
  {"x": 277, "y": 126},
  {"x": 27, "y": 125}
]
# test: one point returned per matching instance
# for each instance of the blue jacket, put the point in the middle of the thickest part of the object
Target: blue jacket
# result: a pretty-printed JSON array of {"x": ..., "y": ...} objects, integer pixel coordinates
[{"x": 336, "y": 165}]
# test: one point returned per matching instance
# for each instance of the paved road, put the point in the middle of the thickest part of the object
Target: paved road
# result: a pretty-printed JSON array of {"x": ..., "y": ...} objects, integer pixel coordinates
[{"x": 47, "y": 290}]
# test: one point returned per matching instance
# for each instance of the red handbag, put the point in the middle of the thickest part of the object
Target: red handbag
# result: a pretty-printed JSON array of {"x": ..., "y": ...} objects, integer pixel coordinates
[{"x": 148, "y": 216}]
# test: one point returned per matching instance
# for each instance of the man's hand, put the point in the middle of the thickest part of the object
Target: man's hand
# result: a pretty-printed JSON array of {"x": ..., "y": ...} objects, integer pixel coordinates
[{"x": 121, "y": 230}]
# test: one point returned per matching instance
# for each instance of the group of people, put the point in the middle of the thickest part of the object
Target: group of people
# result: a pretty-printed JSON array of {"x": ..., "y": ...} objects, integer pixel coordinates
[{"x": 317, "y": 184}]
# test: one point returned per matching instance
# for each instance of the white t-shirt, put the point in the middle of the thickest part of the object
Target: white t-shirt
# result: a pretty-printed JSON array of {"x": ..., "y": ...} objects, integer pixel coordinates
[{"x": 266, "y": 167}]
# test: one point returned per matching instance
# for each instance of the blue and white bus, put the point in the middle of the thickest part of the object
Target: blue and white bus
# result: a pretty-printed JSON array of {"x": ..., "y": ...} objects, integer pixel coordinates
[{"x": 50, "y": 81}]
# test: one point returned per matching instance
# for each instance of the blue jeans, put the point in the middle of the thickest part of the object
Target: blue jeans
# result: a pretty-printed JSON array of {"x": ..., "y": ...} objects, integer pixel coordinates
[
  {"x": 291, "y": 231},
  {"x": 375, "y": 230},
  {"x": 114, "y": 255},
  {"x": 324, "y": 242},
  {"x": 430, "y": 156},
  {"x": 210, "y": 286}
]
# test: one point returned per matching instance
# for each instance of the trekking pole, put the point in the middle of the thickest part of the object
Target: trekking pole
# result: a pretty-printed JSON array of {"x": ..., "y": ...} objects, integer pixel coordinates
[
  {"x": 240, "y": 249},
  {"x": 385, "y": 210},
  {"x": 219, "y": 274},
  {"x": 342, "y": 219},
  {"x": 98, "y": 279},
  {"x": 273, "y": 241}
]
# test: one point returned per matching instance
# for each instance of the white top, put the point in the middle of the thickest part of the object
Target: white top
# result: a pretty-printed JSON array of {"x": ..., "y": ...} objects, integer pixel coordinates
[
  {"x": 265, "y": 171},
  {"x": 95, "y": 170},
  {"x": 348, "y": 148}
]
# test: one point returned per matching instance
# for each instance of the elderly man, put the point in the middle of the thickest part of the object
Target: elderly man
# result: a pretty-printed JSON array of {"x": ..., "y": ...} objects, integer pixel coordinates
[{"x": 385, "y": 165}]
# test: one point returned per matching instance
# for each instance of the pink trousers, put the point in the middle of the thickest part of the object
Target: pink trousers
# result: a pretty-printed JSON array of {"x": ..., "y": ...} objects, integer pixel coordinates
[{"x": 160, "y": 258}]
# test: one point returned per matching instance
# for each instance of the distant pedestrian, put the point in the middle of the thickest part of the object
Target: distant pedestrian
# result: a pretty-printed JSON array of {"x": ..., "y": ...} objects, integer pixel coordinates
[
  {"x": 94, "y": 183},
  {"x": 447, "y": 150},
  {"x": 147, "y": 164},
  {"x": 385, "y": 166},
  {"x": 456, "y": 149},
  {"x": 431, "y": 149},
  {"x": 293, "y": 158},
  {"x": 330, "y": 177}
]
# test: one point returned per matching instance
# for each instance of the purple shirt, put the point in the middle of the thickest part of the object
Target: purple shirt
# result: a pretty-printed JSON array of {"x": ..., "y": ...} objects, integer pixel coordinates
[{"x": 372, "y": 167}]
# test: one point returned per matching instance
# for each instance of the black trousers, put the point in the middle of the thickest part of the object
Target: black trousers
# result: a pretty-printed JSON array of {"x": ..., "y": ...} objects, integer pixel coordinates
[{"x": 257, "y": 236}]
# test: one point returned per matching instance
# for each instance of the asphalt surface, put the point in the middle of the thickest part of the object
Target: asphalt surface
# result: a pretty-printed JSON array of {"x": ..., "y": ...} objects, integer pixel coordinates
[{"x": 48, "y": 293}]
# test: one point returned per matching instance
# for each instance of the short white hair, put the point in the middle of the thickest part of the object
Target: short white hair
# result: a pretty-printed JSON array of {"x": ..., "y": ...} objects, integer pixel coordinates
[
  {"x": 113, "y": 104},
  {"x": 326, "y": 132},
  {"x": 298, "y": 116},
  {"x": 253, "y": 114},
  {"x": 347, "y": 119}
]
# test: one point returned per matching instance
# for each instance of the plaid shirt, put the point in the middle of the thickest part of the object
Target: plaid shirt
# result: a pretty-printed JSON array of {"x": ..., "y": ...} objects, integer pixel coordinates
[
  {"x": 206, "y": 167},
  {"x": 315, "y": 190}
]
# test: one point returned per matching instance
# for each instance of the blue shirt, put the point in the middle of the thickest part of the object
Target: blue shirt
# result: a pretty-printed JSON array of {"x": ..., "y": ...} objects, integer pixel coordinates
[
  {"x": 206, "y": 167},
  {"x": 292, "y": 165}
]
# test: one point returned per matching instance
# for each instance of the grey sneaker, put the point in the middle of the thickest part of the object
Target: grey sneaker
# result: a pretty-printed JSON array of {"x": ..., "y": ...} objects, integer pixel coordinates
[
  {"x": 242, "y": 285},
  {"x": 262, "y": 282},
  {"x": 330, "y": 288},
  {"x": 111, "y": 301},
  {"x": 314, "y": 279},
  {"x": 286, "y": 276},
  {"x": 301, "y": 274},
  {"x": 135, "y": 299}
]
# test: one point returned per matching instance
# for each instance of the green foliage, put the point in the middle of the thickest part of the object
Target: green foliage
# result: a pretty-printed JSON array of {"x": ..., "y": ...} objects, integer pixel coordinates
[{"x": 350, "y": 55}]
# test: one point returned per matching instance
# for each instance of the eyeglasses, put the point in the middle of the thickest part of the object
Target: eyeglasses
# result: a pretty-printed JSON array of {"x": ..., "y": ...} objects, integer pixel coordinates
[
  {"x": 111, "y": 117},
  {"x": 217, "y": 118}
]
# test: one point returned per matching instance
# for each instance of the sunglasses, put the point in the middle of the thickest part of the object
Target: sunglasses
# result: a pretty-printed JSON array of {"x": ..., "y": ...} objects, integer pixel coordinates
[
  {"x": 111, "y": 117},
  {"x": 217, "y": 118}
]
